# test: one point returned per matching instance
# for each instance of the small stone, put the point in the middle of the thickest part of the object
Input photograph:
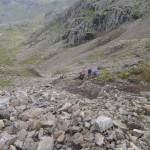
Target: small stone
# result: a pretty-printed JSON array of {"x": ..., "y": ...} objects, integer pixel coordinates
[
  {"x": 123, "y": 112},
  {"x": 134, "y": 125},
  {"x": 121, "y": 147},
  {"x": 7, "y": 138},
  {"x": 147, "y": 109},
  {"x": 61, "y": 138},
  {"x": 119, "y": 124},
  {"x": 77, "y": 139},
  {"x": 147, "y": 136},
  {"x": 46, "y": 143},
  {"x": 5, "y": 101},
  {"x": 12, "y": 147},
  {"x": 87, "y": 125},
  {"x": 138, "y": 133},
  {"x": 103, "y": 123},
  {"x": 2, "y": 125},
  {"x": 99, "y": 139}
]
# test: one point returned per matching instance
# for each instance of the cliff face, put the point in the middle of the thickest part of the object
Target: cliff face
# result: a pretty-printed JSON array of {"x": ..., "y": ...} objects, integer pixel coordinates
[{"x": 87, "y": 19}]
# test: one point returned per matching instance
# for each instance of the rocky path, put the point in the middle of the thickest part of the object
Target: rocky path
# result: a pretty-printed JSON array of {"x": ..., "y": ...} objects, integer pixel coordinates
[{"x": 40, "y": 117}]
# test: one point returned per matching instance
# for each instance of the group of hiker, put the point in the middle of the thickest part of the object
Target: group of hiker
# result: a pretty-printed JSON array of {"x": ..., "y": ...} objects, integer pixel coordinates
[{"x": 90, "y": 73}]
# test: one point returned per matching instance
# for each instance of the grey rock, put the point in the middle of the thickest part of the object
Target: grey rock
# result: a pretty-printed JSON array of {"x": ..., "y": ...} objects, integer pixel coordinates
[
  {"x": 147, "y": 137},
  {"x": 12, "y": 147},
  {"x": 119, "y": 124},
  {"x": 2, "y": 125},
  {"x": 5, "y": 101},
  {"x": 99, "y": 139},
  {"x": 7, "y": 139},
  {"x": 46, "y": 143},
  {"x": 103, "y": 123}
]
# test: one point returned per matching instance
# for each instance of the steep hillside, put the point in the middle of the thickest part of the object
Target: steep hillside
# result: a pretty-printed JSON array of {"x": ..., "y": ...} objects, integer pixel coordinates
[{"x": 91, "y": 33}]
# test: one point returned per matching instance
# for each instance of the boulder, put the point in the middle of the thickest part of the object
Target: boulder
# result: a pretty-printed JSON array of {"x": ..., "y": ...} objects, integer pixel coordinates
[{"x": 103, "y": 123}]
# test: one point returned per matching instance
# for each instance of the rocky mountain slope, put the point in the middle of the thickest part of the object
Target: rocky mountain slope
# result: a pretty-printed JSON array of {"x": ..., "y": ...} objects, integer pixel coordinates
[
  {"x": 43, "y": 105},
  {"x": 41, "y": 117}
]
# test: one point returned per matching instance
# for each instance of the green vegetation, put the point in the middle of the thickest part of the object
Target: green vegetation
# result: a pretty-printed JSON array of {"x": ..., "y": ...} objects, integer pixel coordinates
[
  {"x": 25, "y": 72},
  {"x": 31, "y": 60},
  {"x": 105, "y": 77},
  {"x": 88, "y": 14},
  {"x": 96, "y": 55},
  {"x": 5, "y": 83},
  {"x": 7, "y": 57},
  {"x": 141, "y": 72},
  {"x": 61, "y": 71}
]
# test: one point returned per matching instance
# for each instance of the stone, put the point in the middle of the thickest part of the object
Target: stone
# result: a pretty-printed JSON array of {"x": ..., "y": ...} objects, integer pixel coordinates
[
  {"x": 2, "y": 125},
  {"x": 34, "y": 125},
  {"x": 137, "y": 132},
  {"x": 22, "y": 134},
  {"x": 121, "y": 147},
  {"x": 147, "y": 136},
  {"x": 29, "y": 144},
  {"x": 61, "y": 138},
  {"x": 12, "y": 147},
  {"x": 119, "y": 124},
  {"x": 8, "y": 139},
  {"x": 134, "y": 147},
  {"x": 103, "y": 123},
  {"x": 147, "y": 109},
  {"x": 99, "y": 139},
  {"x": 133, "y": 138},
  {"x": 19, "y": 144},
  {"x": 134, "y": 125},
  {"x": 87, "y": 124},
  {"x": 46, "y": 143},
  {"x": 119, "y": 134},
  {"x": 122, "y": 111},
  {"x": 33, "y": 112},
  {"x": 89, "y": 137},
  {"x": 22, "y": 96},
  {"x": 41, "y": 133},
  {"x": 65, "y": 107},
  {"x": 77, "y": 139},
  {"x": 5, "y": 101}
]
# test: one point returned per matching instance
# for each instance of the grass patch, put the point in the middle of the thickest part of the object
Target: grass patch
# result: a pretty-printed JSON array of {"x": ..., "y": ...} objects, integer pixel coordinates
[
  {"x": 5, "y": 83},
  {"x": 96, "y": 55},
  {"x": 141, "y": 72},
  {"x": 31, "y": 60},
  {"x": 7, "y": 57},
  {"x": 61, "y": 71},
  {"x": 65, "y": 49},
  {"x": 25, "y": 72},
  {"x": 105, "y": 77}
]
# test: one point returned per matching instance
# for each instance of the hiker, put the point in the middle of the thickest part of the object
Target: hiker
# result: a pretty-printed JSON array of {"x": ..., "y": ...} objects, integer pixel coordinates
[
  {"x": 89, "y": 72},
  {"x": 82, "y": 74},
  {"x": 95, "y": 72}
]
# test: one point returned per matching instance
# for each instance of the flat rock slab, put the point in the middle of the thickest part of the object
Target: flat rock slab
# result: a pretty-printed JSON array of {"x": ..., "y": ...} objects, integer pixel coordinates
[{"x": 47, "y": 143}]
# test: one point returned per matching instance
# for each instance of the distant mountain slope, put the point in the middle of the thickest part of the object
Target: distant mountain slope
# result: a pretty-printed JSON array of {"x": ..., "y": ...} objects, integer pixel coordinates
[{"x": 17, "y": 10}]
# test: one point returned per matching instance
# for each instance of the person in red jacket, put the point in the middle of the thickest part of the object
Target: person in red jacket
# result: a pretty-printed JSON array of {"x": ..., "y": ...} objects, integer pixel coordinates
[{"x": 82, "y": 74}]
